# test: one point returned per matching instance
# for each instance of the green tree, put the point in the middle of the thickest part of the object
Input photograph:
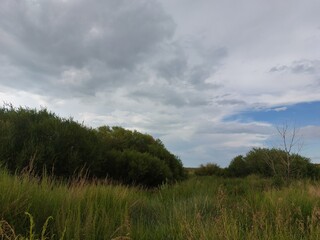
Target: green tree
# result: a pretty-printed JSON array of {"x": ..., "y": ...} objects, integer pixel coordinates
[
  {"x": 64, "y": 147},
  {"x": 238, "y": 167},
  {"x": 257, "y": 162},
  {"x": 269, "y": 163}
]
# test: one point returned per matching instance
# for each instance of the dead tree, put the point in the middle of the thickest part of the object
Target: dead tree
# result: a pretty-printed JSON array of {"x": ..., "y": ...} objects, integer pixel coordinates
[{"x": 291, "y": 145}]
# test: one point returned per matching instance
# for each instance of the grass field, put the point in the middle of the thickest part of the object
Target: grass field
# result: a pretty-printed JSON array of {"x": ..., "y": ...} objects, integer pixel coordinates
[{"x": 199, "y": 208}]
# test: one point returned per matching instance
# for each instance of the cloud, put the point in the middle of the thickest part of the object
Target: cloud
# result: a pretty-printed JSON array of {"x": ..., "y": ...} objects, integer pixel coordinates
[
  {"x": 75, "y": 77},
  {"x": 230, "y": 102},
  {"x": 235, "y": 127},
  {"x": 47, "y": 46},
  {"x": 218, "y": 143},
  {"x": 169, "y": 95},
  {"x": 191, "y": 63},
  {"x": 310, "y": 132},
  {"x": 280, "y": 109},
  {"x": 278, "y": 69},
  {"x": 299, "y": 67},
  {"x": 173, "y": 69},
  {"x": 107, "y": 39}
]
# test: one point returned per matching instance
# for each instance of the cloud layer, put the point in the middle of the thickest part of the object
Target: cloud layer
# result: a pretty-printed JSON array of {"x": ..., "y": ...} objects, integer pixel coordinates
[{"x": 173, "y": 69}]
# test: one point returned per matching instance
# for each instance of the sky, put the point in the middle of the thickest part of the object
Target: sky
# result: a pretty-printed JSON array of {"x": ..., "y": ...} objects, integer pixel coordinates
[{"x": 210, "y": 78}]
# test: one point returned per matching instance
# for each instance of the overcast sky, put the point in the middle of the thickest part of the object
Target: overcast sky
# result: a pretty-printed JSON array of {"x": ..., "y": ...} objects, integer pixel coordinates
[{"x": 210, "y": 78}]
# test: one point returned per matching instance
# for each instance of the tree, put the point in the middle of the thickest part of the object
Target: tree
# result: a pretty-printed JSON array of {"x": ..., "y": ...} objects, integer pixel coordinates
[
  {"x": 238, "y": 167},
  {"x": 257, "y": 161},
  {"x": 291, "y": 145},
  {"x": 63, "y": 147},
  {"x": 208, "y": 170}
]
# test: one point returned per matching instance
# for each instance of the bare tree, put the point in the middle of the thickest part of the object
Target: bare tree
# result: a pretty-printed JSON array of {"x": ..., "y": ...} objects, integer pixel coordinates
[
  {"x": 270, "y": 161},
  {"x": 291, "y": 145}
]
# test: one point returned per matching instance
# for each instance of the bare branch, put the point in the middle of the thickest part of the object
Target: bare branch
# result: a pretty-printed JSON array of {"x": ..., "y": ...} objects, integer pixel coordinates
[{"x": 290, "y": 141}]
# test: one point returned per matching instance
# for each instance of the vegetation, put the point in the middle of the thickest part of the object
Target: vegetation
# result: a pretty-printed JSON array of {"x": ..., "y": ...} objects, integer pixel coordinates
[
  {"x": 266, "y": 163},
  {"x": 62, "y": 180},
  {"x": 198, "y": 208},
  {"x": 208, "y": 169},
  {"x": 63, "y": 147}
]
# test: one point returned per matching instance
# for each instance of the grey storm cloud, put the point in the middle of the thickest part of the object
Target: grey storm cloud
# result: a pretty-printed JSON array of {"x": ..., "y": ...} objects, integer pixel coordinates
[
  {"x": 172, "y": 69},
  {"x": 73, "y": 33},
  {"x": 211, "y": 61},
  {"x": 84, "y": 45},
  {"x": 177, "y": 63},
  {"x": 167, "y": 95},
  {"x": 299, "y": 67},
  {"x": 76, "y": 48}
]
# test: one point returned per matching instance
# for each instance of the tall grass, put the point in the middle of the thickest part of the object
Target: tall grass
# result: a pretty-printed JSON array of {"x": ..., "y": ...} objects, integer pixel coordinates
[{"x": 199, "y": 208}]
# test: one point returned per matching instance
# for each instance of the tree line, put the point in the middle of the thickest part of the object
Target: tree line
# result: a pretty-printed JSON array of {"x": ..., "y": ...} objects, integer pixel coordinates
[
  {"x": 63, "y": 147},
  {"x": 266, "y": 162}
]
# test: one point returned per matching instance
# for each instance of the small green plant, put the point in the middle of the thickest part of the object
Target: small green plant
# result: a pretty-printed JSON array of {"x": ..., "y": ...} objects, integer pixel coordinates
[
  {"x": 32, "y": 225},
  {"x": 7, "y": 232}
]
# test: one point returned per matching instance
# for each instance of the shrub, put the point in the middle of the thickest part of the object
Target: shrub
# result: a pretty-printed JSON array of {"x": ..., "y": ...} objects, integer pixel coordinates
[
  {"x": 272, "y": 163},
  {"x": 143, "y": 169},
  {"x": 208, "y": 170},
  {"x": 47, "y": 141},
  {"x": 238, "y": 167},
  {"x": 119, "y": 140},
  {"x": 63, "y": 147}
]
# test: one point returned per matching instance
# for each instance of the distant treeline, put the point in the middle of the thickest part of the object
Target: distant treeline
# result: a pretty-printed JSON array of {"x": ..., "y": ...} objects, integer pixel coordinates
[
  {"x": 267, "y": 163},
  {"x": 63, "y": 147}
]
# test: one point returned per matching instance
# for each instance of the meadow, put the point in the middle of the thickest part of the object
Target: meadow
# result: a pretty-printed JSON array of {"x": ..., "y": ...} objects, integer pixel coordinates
[{"x": 197, "y": 208}]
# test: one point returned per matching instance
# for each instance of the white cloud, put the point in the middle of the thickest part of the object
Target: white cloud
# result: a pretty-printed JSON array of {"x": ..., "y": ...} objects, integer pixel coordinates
[
  {"x": 310, "y": 132},
  {"x": 280, "y": 109}
]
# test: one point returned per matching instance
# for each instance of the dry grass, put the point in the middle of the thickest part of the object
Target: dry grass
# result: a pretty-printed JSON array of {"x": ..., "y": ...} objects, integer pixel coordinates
[{"x": 200, "y": 208}]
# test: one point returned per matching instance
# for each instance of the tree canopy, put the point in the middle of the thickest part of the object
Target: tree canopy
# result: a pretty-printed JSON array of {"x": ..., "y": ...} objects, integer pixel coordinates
[
  {"x": 64, "y": 147},
  {"x": 264, "y": 162}
]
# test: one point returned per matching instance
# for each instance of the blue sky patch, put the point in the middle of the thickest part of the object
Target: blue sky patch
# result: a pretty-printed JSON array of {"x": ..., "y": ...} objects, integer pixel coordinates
[{"x": 301, "y": 114}]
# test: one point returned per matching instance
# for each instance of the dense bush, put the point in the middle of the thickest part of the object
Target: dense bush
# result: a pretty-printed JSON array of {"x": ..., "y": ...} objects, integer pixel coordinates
[
  {"x": 272, "y": 163},
  {"x": 142, "y": 168},
  {"x": 44, "y": 140},
  {"x": 119, "y": 140},
  {"x": 208, "y": 170},
  {"x": 63, "y": 147},
  {"x": 266, "y": 163},
  {"x": 238, "y": 167}
]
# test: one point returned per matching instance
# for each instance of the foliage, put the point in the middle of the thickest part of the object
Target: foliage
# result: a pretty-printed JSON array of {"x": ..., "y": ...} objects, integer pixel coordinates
[
  {"x": 124, "y": 144},
  {"x": 267, "y": 163},
  {"x": 238, "y": 167},
  {"x": 44, "y": 142},
  {"x": 208, "y": 170},
  {"x": 141, "y": 168}
]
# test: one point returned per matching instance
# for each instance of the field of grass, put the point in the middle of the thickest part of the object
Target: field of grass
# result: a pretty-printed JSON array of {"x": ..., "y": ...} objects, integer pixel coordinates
[{"x": 199, "y": 208}]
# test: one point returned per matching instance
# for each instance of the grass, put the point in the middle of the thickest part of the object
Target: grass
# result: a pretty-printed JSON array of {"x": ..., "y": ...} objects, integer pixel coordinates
[{"x": 199, "y": 208}]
